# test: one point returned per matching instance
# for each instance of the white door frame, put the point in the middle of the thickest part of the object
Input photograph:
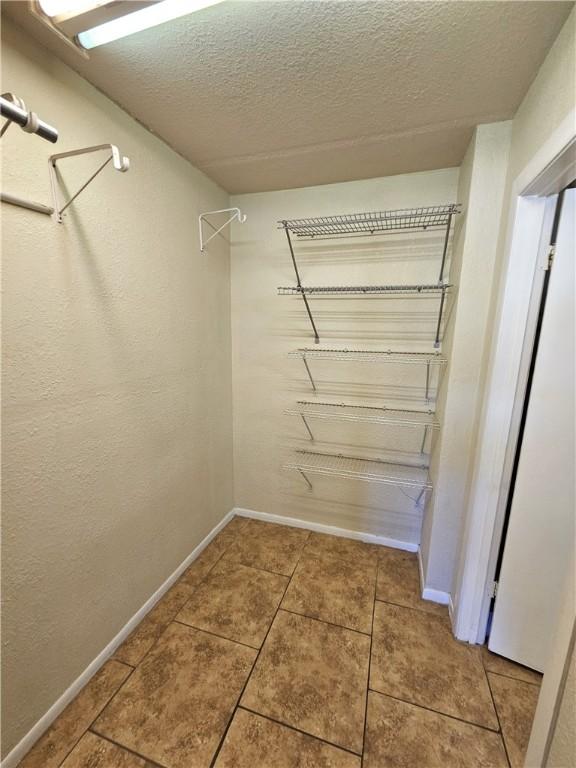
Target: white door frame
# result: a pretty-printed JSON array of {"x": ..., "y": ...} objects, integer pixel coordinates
[{"x": 549, "y": 169}]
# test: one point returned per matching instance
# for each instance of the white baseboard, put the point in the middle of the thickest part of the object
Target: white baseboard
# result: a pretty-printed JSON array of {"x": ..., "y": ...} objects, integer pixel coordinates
[
  {"x": 434, "y": 595},
  {"x": 15, "y": 755},
  {"x": 295, "y": 522}
]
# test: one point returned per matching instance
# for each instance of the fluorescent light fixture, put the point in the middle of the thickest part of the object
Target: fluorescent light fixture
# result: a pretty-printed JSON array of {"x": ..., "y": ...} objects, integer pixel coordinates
[
  {"x": 67, "y": 8},
  {"x": 139, "y": 20}
]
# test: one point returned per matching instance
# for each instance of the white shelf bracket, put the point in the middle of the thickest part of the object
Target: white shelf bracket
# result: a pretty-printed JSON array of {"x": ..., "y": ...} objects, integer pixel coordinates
[
  {"x": 236, "y": 214},
  {"x": 119, "y": 162}
]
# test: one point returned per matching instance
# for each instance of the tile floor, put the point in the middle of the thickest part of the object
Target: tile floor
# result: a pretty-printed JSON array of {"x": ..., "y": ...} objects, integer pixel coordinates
[{"x": 281, "y": 648}]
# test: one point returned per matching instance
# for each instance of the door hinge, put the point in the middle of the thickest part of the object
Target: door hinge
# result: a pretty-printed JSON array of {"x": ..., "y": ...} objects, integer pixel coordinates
[
  {"x": 551, "y": 254},
  {"x": 493, "y": 589}
]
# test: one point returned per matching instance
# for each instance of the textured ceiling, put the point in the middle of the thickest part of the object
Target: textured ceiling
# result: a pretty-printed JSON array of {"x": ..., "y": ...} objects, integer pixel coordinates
[{"x": 284, "y": 93}]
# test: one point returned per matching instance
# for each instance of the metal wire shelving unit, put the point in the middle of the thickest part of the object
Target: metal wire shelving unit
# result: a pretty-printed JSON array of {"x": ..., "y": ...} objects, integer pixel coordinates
[
  {"x": 367, "y": 470},
  {"x": 338, "y": 290},
  {"x": 364, "y": 414},
  {"x": 428, "y": 359},
  {"x": 435, "y": 217},
  {"x": 372, "y": 223}
]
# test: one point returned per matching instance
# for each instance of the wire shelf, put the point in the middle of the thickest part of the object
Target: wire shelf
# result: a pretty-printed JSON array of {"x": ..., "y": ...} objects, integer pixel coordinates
[
  {"x": 370, "y": 356},
  {"x": 367, "y": 470},
  {"x": 371, "y": 223},
  {"x": 339, "y": 290},
  {"x": 370, "y": 414}
]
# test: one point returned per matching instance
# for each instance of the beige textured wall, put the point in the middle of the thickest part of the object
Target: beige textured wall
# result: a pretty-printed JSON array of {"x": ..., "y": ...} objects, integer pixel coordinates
[
  {"x": 266, "y": 326},
  {"x": 117, "y": 384},
  {"x": 549, "y": 101},
  {"x": 481, "y": 191}
]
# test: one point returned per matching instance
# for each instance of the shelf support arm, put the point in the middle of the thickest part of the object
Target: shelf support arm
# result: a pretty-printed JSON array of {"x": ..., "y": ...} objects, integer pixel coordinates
[
  {"x": 440, "y": 312},
  {"x": 236, "y": 213},
  {"x": 120, "y": 163},
  {"x": 299, "y": 284},
  {"x": 423, "y": 446},
  {"x": 445, "y": 251},
  {"x": 309, "y": 372},
  {"x": 307, "y": 426},
  {"x": 308, "y": 483}
]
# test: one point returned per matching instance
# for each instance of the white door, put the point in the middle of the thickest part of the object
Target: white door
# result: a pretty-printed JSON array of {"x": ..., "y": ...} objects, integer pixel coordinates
[{"x": 541, "y": 529}]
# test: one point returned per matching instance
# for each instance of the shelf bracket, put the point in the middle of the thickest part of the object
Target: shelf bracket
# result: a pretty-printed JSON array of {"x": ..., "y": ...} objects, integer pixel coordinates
[
  {"x": 428, "y": 381},
  {"x": 119, "y": 162},
  {"x": 308, "y": 483},
  {"x": 440, "y": 313},
  {"x": 307, "y": 426},
  {"x": 309, "y": 372},
  {"x": 299, "y": 284},
  {"x": 423, "y": 446},
  {"x": 236, "y": 214},
  {"x": 445, "y": 249}
]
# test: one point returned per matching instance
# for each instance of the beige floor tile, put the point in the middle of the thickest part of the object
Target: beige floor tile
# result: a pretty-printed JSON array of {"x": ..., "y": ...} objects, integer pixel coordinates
[
  {"x": 333, "y": 590},
  {"x": 405, "y": 736},
  {"x": 235, "y": 525},
  {"x": 255, "y": 742},
  {"x": 141, "y": 640},
  {"x": 236, "y": 602},
  {"x": 416, "y": 658},
  {"x": 515, "y": 703},
  {"x": 176, "y": 706},
  {"x": 352, "y": 550},
  {"x": 313, "y": 676},
  {"x": 399, "y": 581},
  {"x": 268, "y": 546},
  {"x": 137, "y": 645},
  {"x": 94, "y": 752},
  {"x": 67, "y": 729},
  {"x": 501, "y": 666}
]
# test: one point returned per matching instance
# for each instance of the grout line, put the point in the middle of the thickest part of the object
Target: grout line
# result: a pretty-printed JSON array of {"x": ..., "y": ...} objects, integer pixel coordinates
[
  {"x": 127, "y": 749},
  {"x": 510, "y": 677},
  {"x": 214, "y": 634},
  {"x": 225, "y": 732},
  {"x": 154, "y": 644},
  {"x": 416, "y": 608},
  {"x": 497, "y": 717},
  {"x": 124, "y": 663},
  {"x": 104, "y": 706},
  {"x": 323, "y": 621},
  {"x": 259, "y": 568},
  {"x": 369, "y": 664},
  {"x": 435, "y": 711},
  {"x": 298, "y": 730},
  {"x": 193, "y": 590}
]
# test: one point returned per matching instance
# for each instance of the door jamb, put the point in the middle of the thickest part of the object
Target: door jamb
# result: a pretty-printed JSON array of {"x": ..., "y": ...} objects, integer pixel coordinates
[{"x": 547, "y": 172}]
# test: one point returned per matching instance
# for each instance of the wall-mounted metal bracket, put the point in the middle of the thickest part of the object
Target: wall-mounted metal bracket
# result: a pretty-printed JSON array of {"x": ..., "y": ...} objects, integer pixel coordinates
[
  {"x": 119, "y": 162},
  {"x": 236, "y": 214}
]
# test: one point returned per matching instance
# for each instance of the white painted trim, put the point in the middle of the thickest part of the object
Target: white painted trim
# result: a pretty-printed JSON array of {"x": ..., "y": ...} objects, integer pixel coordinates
[
  {"x": 27, "y": 742},
  {"x": 482, "y": 525},
  {"x": 436, "y": 596},
  {"x": 427, "y": 593},
  {"x": 295, "y": 522},
  {"x": 451, "y": 610}
]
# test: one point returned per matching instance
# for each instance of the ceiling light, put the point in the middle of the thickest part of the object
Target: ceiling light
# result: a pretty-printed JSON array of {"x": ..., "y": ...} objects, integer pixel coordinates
[
  {"x": 67, "y": 8},
  {"x": 139, "y": 20}
]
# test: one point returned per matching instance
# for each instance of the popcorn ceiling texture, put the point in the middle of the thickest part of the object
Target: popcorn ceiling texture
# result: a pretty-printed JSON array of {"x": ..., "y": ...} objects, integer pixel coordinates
[
  {"x": 274, "y": 95},
  {"x": 117, "y": 384}
]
